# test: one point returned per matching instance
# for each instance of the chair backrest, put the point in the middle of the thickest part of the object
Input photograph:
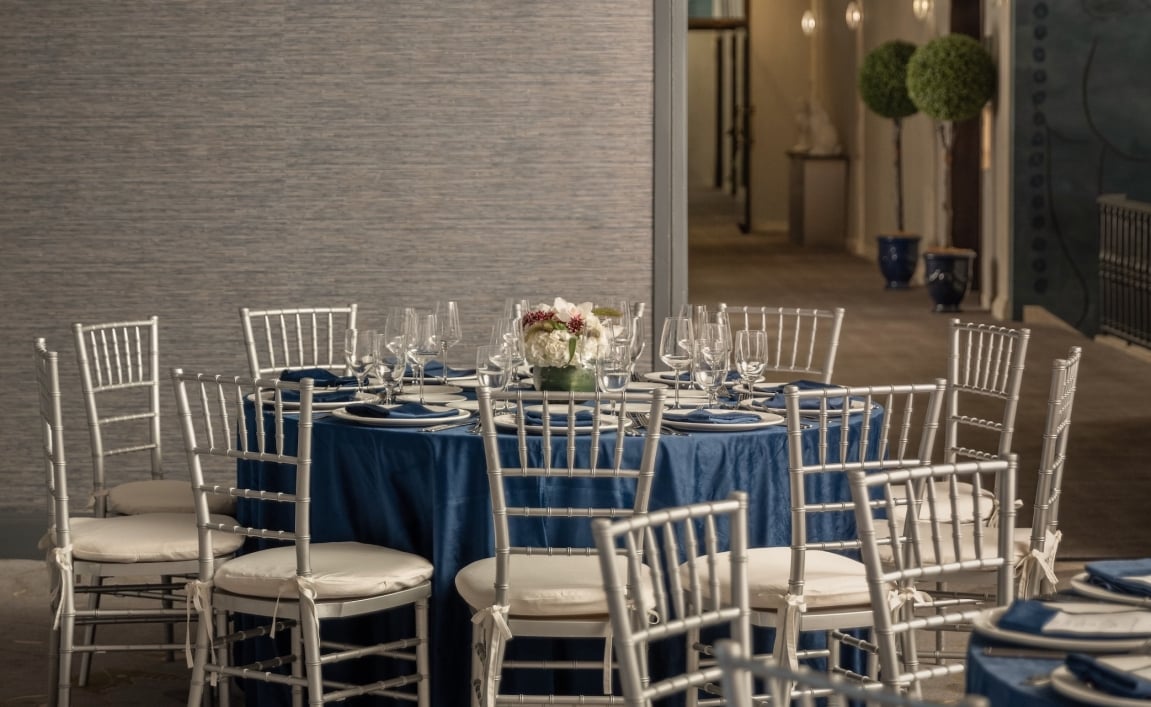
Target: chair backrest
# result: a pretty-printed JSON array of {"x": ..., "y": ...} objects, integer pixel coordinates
[
  {"x": 47, "y": 368},
  {"x": 1045, "y": 532},
  {"x": 226, "y": 420},
  {"x": 591, "y": 464},
  {"x": 120, "y": 380},
  {"x": 802, "y": 341},
  {"x": 294, "y": 339},
  {"x": 896, "y": 428},
  {"x": 740, "y": 671},
  {"x": 930, "y": 550},
  {"x": 984, "y": 374},
  {"x": 680, "y": 550}
]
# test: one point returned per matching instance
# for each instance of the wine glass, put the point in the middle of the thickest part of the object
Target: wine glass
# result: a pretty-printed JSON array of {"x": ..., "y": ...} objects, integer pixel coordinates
[
  {"x": 675, "y": 344},
  {"x": 358, "y": 355},
  {"x": 448, "y": 319},
  {"x": 750, "y": 356},
  {"x": 396, "y": 332},
  {"x": 715, "y": 336},
  {"x": 613, "y": 369},
  {"x": 507, "y": 333},
  {"x": 390, "y": 367},
  {"x": 709, "y": 364},
  {"x": 424, "y": 346}
]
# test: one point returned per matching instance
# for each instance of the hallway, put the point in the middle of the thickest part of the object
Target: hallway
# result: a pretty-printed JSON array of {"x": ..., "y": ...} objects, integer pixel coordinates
[{"x": 894, "y": 337}]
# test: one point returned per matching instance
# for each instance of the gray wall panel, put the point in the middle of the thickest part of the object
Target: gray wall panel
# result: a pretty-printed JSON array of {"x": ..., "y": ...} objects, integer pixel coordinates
[{"x": 185, "y": 159}]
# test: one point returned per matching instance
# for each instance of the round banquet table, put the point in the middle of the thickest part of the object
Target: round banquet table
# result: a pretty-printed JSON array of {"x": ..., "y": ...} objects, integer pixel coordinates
[{"x": 427, "y": 493}]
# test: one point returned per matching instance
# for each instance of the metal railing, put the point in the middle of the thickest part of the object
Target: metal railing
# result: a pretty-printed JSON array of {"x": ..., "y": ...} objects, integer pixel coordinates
[{"x": 1125, "y": 268}]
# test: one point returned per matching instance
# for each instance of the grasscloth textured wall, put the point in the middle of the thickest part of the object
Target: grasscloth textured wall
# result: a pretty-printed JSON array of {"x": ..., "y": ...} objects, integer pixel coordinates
[{"x": 185, "y": 159}]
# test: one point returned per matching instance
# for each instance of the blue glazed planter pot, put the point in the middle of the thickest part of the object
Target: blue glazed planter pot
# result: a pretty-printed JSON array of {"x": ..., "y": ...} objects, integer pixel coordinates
[
  {"x": 898, "y": 256},
  {"x": 947, "y": 275}
]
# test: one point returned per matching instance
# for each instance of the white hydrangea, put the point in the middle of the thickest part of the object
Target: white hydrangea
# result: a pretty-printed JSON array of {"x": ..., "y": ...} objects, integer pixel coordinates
[{"x": 550, "y": 347}]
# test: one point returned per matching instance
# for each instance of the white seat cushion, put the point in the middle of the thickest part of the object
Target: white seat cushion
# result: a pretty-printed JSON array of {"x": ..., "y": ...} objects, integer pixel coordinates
[
  {"x": 965, "y": 501},
  {"x": 831, "y": 580},
  {"x": 543, "y": 585},
  {"x": 147, "y": 537},
  {"x": 339, "y": 570},
  {"x": 162, "y": 496},
  {"x": 1020, "y": 545}
]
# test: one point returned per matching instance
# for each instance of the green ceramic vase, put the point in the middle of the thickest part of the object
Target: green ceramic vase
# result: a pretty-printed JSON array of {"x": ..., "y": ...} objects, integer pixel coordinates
[{"x": 572, "y": 378}]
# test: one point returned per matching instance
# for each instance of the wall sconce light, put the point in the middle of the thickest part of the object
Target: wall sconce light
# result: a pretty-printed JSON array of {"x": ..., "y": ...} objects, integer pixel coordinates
[
  {"x": 921, "y": 8},
  {"x": 853, "y": 15},
  {"x": 807, "y": 24}
]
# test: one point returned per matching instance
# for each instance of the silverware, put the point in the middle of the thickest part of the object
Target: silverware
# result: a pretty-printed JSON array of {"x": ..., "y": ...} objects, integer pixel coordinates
[{"x": 449, "y": 425}]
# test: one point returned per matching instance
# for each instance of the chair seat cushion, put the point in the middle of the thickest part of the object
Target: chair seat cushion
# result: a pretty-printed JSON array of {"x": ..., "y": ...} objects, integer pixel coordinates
[
  {"x": 831, "y": 580},
  {"x": 543, "y": 585},
  {"x": 339, "y": 570},
  {"x": 148, "y": 537},
  {"x": 1020, "y": 544},
  {"x": 965, "y": 501},
  {"x": 162, "y": 496}
]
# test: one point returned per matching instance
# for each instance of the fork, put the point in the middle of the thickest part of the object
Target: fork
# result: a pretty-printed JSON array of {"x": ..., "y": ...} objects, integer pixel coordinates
[{"x": 642, "y": 421}]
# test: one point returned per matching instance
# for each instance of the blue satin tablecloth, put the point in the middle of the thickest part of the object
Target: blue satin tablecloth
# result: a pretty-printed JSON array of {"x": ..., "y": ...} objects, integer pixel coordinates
[{"x": 427, "y": 493}]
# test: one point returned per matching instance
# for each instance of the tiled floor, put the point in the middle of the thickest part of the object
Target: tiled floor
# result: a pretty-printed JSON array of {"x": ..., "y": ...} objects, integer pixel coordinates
[{"x": 887, "y": 337}]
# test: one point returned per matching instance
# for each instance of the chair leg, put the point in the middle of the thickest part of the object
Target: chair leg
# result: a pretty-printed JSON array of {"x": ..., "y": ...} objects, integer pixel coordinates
[
  {"x": 299, "y": 650},
  {"x": 65, "y": 645},
  {"x": 312, "y": 670},
  {"x": 478, "y": 667},
  {"x": 692, "y": 664},
  {"x": 89, "y": 635},
  {"x": 169, "y": 627},
  {"x": 423, "y": 688},
  {"x": 199, "y": 661},
  {"x": 224, "y": 657}
]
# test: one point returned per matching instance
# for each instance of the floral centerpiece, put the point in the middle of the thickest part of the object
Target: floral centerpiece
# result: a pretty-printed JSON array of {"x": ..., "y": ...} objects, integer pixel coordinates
[{"x": 562, "y": 341}]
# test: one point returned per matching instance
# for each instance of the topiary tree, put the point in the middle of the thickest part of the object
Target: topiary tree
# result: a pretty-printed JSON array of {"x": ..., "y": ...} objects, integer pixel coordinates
[
  {"x": 950, "y": 79},
  {"x": 883, "y": 88}
]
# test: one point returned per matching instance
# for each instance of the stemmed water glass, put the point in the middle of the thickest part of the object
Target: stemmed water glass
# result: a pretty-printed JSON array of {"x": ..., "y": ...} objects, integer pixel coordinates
[
  {"x": 675, "y": 345},
  {"x": 613, "y": 369},
  {"x": 750, "y": 356},
  {"x": 390, "y": 366},
  {"x": 507, "y": 334},
  {"x": 493, "y": 367},
  {"x": 397, "y": 332},
  {"x": 709, "y": 365},
  {"x": 424, "y": 346},
  {"x": 359, "y": 355},
  {"x": 448, "y": 319}
]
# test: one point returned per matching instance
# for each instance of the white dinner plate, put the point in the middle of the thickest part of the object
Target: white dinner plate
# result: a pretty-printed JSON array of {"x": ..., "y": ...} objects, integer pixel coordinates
[
  {"x": 761, "y": 387},
  {"x": 1067, "y": 684},
  {"x": 987, "y": 624},
  {"x": 641, "y": 386},
  {"x": 1080, "y": 584},
  {"x": 766, "y": 419},
  {"x": 604, "y": 423},
  {"x": 413, "y": 388},
  {"x": 456, "y": 416},
  {"x": 467, "y": 382},
  {"x": 267, "y": 395},
  {"x": 464, "y": 404},
  {"x": 856, "y": 406},
  {"x": 434, "y": 398}
]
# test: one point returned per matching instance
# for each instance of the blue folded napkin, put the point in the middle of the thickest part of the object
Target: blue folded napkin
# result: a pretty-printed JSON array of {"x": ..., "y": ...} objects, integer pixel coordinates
[
  {"x": 407, "y": 411},
  {"x": 321, "y": 396},
  {"x": 583, "y": 418},
  {"x": 1032, "y": 616},
  {"x": 321, "y": 377},
  {"x": 712, "y": 416},
  {"x": 685, "y": 377},
  {"x": 1105, "y": 675},
  {"x": 435, "y": 369},
  {"x": 777, "y": 401},
  {"x": 1113, "y": 575}
]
